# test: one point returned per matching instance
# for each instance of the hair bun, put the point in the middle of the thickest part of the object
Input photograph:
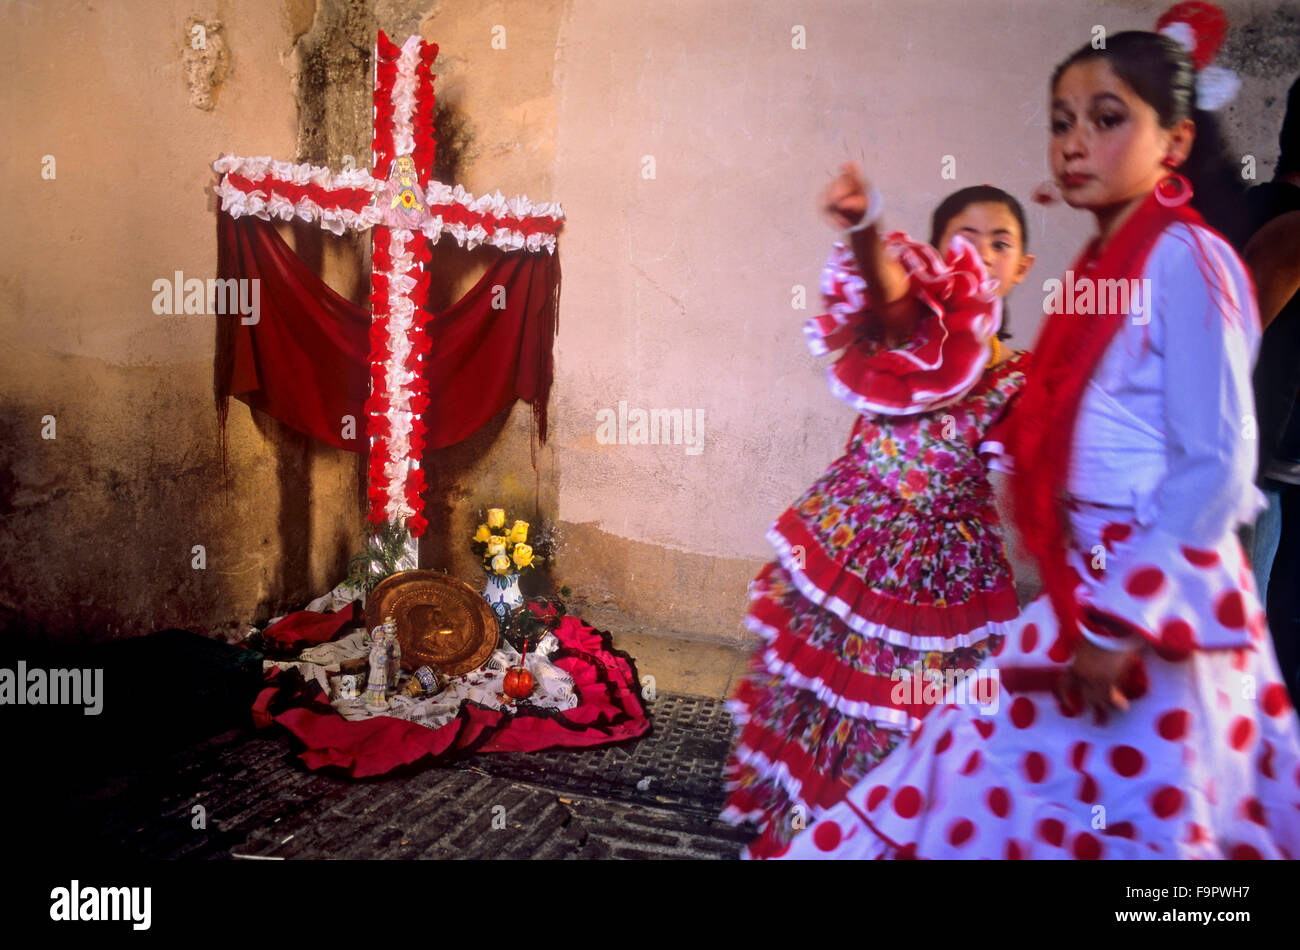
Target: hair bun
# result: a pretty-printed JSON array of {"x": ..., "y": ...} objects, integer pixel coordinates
[{"x": 1199, "y": 26}]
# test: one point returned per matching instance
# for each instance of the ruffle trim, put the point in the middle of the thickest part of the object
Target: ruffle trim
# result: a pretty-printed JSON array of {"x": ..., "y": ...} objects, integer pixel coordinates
[
  {"x": 347, "y": 201},
  {"x": 945, "y": 358},
  {"x": 861, "y": 695},
  {"x": 921, "y": 627},
  {"x": 1176, "y": 597},
  {"x": 792, "y": 770}
]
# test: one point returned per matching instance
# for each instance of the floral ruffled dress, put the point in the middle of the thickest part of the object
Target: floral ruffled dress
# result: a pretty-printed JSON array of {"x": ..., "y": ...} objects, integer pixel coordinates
[{"x": 892, "y": 561}]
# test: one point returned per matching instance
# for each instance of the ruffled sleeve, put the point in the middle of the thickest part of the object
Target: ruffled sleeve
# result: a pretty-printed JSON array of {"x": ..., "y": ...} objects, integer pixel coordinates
[
  {"x": 1185, "y": 584},
  {"x": 948, "y": 349}
]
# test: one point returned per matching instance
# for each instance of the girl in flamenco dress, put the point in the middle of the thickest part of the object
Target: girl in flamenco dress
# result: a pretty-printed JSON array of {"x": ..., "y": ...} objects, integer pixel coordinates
[
  {"x": 892, "y": 561},
  {"x": 1141, "y": 713}
]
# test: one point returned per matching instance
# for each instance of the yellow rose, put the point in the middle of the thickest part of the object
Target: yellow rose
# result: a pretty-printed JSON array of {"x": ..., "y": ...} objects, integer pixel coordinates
[
  {"x": 501, "y": 564},
  {"x": 496, "y": 544},
  {"x": 519, "y": 533},
  {"x": 496, "y": 517},
  {"x": 888, "y": 447},
  {"x": 483, "y": 533},
  {"x": 523, "y": 556}
]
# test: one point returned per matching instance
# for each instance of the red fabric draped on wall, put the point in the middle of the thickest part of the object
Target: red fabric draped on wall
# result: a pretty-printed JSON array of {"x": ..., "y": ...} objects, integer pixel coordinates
[{"x": 306, "y": 361}]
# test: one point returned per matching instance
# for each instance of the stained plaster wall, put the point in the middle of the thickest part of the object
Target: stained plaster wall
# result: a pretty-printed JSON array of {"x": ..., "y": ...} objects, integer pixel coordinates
[
  {"x": 100, "y": 522},
  {"x": 677, "y": 288}
]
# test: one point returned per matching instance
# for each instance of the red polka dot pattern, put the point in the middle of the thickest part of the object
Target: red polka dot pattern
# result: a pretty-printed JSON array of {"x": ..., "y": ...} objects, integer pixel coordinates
[
  {"x": 1115, "y": 531},
  {"x": 961, "y": 832},
  {"x": 1126, "y": 760},
  {"x": 1230, "y": 610},
  {"x": 1275, "y": 700},
  {"x": 1035, "y": 767},
  {"x": 1023, "y": 712},
  {"x": 1191, "y": 770},
  {"x": 1167, "y": 802},
  {"x": 908, "y": 801},
  {"x": 1241, "y": 735},
  {"x": 1078, "y": 754},
  {"x": 1086, "y": 847},
  {"x": 1144, "y": 582},
  {"x": 1266, "y": 761},
  {"x": 1173, "y": 724},
  {"x": 827, "y": 835},
  {"x": 1052, "y": 831},
  {"x": 1200, "y": 557},
  {"x": 1029, "y": 638},
  {"x": 1177, "y": 635}
]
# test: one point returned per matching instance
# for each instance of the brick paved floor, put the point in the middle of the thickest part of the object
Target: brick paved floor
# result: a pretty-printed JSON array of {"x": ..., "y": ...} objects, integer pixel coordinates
[{"x": 654, "y": 797}]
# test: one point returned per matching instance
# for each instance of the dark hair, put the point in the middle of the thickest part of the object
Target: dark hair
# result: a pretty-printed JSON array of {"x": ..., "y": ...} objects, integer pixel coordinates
[
  {"x": 959, "y": 201},
  {"x": 1289, "y": 139},
  {"x": 1160, "y": 71}
]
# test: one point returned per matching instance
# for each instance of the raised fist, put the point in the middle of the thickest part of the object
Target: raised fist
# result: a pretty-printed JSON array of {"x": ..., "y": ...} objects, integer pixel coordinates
[{"x": 844, "y": 201}]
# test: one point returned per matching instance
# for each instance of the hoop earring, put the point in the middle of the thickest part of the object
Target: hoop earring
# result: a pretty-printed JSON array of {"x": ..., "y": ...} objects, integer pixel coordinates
[{"x": 1173, "y": 190}]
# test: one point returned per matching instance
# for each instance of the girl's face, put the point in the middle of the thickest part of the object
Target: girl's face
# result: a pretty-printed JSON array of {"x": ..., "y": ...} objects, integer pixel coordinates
[
  {"x": 1107, "y": 147},
  {"x": 995, "y": 233}
]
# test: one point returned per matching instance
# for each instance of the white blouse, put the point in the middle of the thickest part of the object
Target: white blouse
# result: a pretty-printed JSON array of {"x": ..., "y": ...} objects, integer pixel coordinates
[
  {"x": 1166, "y": 428},
  {"x": 1167, "y": 425}
]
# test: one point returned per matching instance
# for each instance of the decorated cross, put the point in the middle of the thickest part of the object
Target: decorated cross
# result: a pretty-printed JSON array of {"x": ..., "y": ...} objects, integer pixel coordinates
[{"x": 397, "y": 200}]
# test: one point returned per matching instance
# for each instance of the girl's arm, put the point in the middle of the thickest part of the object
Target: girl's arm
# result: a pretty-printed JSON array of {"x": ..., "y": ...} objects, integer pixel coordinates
[
  {"x": 844, "y": 203},
  {"x": 898, "y": 310},
  {"x": 1273, "y": 255}
]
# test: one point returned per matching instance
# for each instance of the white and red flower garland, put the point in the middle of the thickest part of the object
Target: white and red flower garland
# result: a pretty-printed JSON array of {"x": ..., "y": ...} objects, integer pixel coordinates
[
  {"x": 351, "y": 200},
  {"x": 403, "y": 104},
  {"x": 345, "y": 201}
]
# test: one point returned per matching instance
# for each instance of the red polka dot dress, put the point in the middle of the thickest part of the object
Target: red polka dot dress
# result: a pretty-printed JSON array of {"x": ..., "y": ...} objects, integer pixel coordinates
[
  {"x": 1205, "y": 763},
  {"x": 891, "y": 562}
]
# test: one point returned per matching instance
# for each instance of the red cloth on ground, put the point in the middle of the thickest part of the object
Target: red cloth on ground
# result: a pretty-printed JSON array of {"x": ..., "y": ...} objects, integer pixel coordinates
[
  {"x": 307, "y": 628},
  {"x": 306, "y": 360},
  {"x": 609, "y": 710}
]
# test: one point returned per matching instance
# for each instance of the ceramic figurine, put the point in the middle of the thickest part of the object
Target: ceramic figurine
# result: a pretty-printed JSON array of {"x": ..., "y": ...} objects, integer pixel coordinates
[{"x": 385, "y": 663}]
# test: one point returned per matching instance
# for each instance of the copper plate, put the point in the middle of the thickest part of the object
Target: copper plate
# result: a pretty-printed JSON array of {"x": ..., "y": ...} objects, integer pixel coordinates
[{"x": 441, "y": 621}]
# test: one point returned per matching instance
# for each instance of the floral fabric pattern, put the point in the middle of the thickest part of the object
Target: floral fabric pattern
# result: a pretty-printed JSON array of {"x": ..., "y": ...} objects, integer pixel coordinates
[{"x": 892, "y": 560}]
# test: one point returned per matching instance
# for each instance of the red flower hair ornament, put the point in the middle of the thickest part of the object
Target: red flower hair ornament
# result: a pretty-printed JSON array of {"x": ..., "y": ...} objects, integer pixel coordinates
[{"x": 1200, "y": 28}]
